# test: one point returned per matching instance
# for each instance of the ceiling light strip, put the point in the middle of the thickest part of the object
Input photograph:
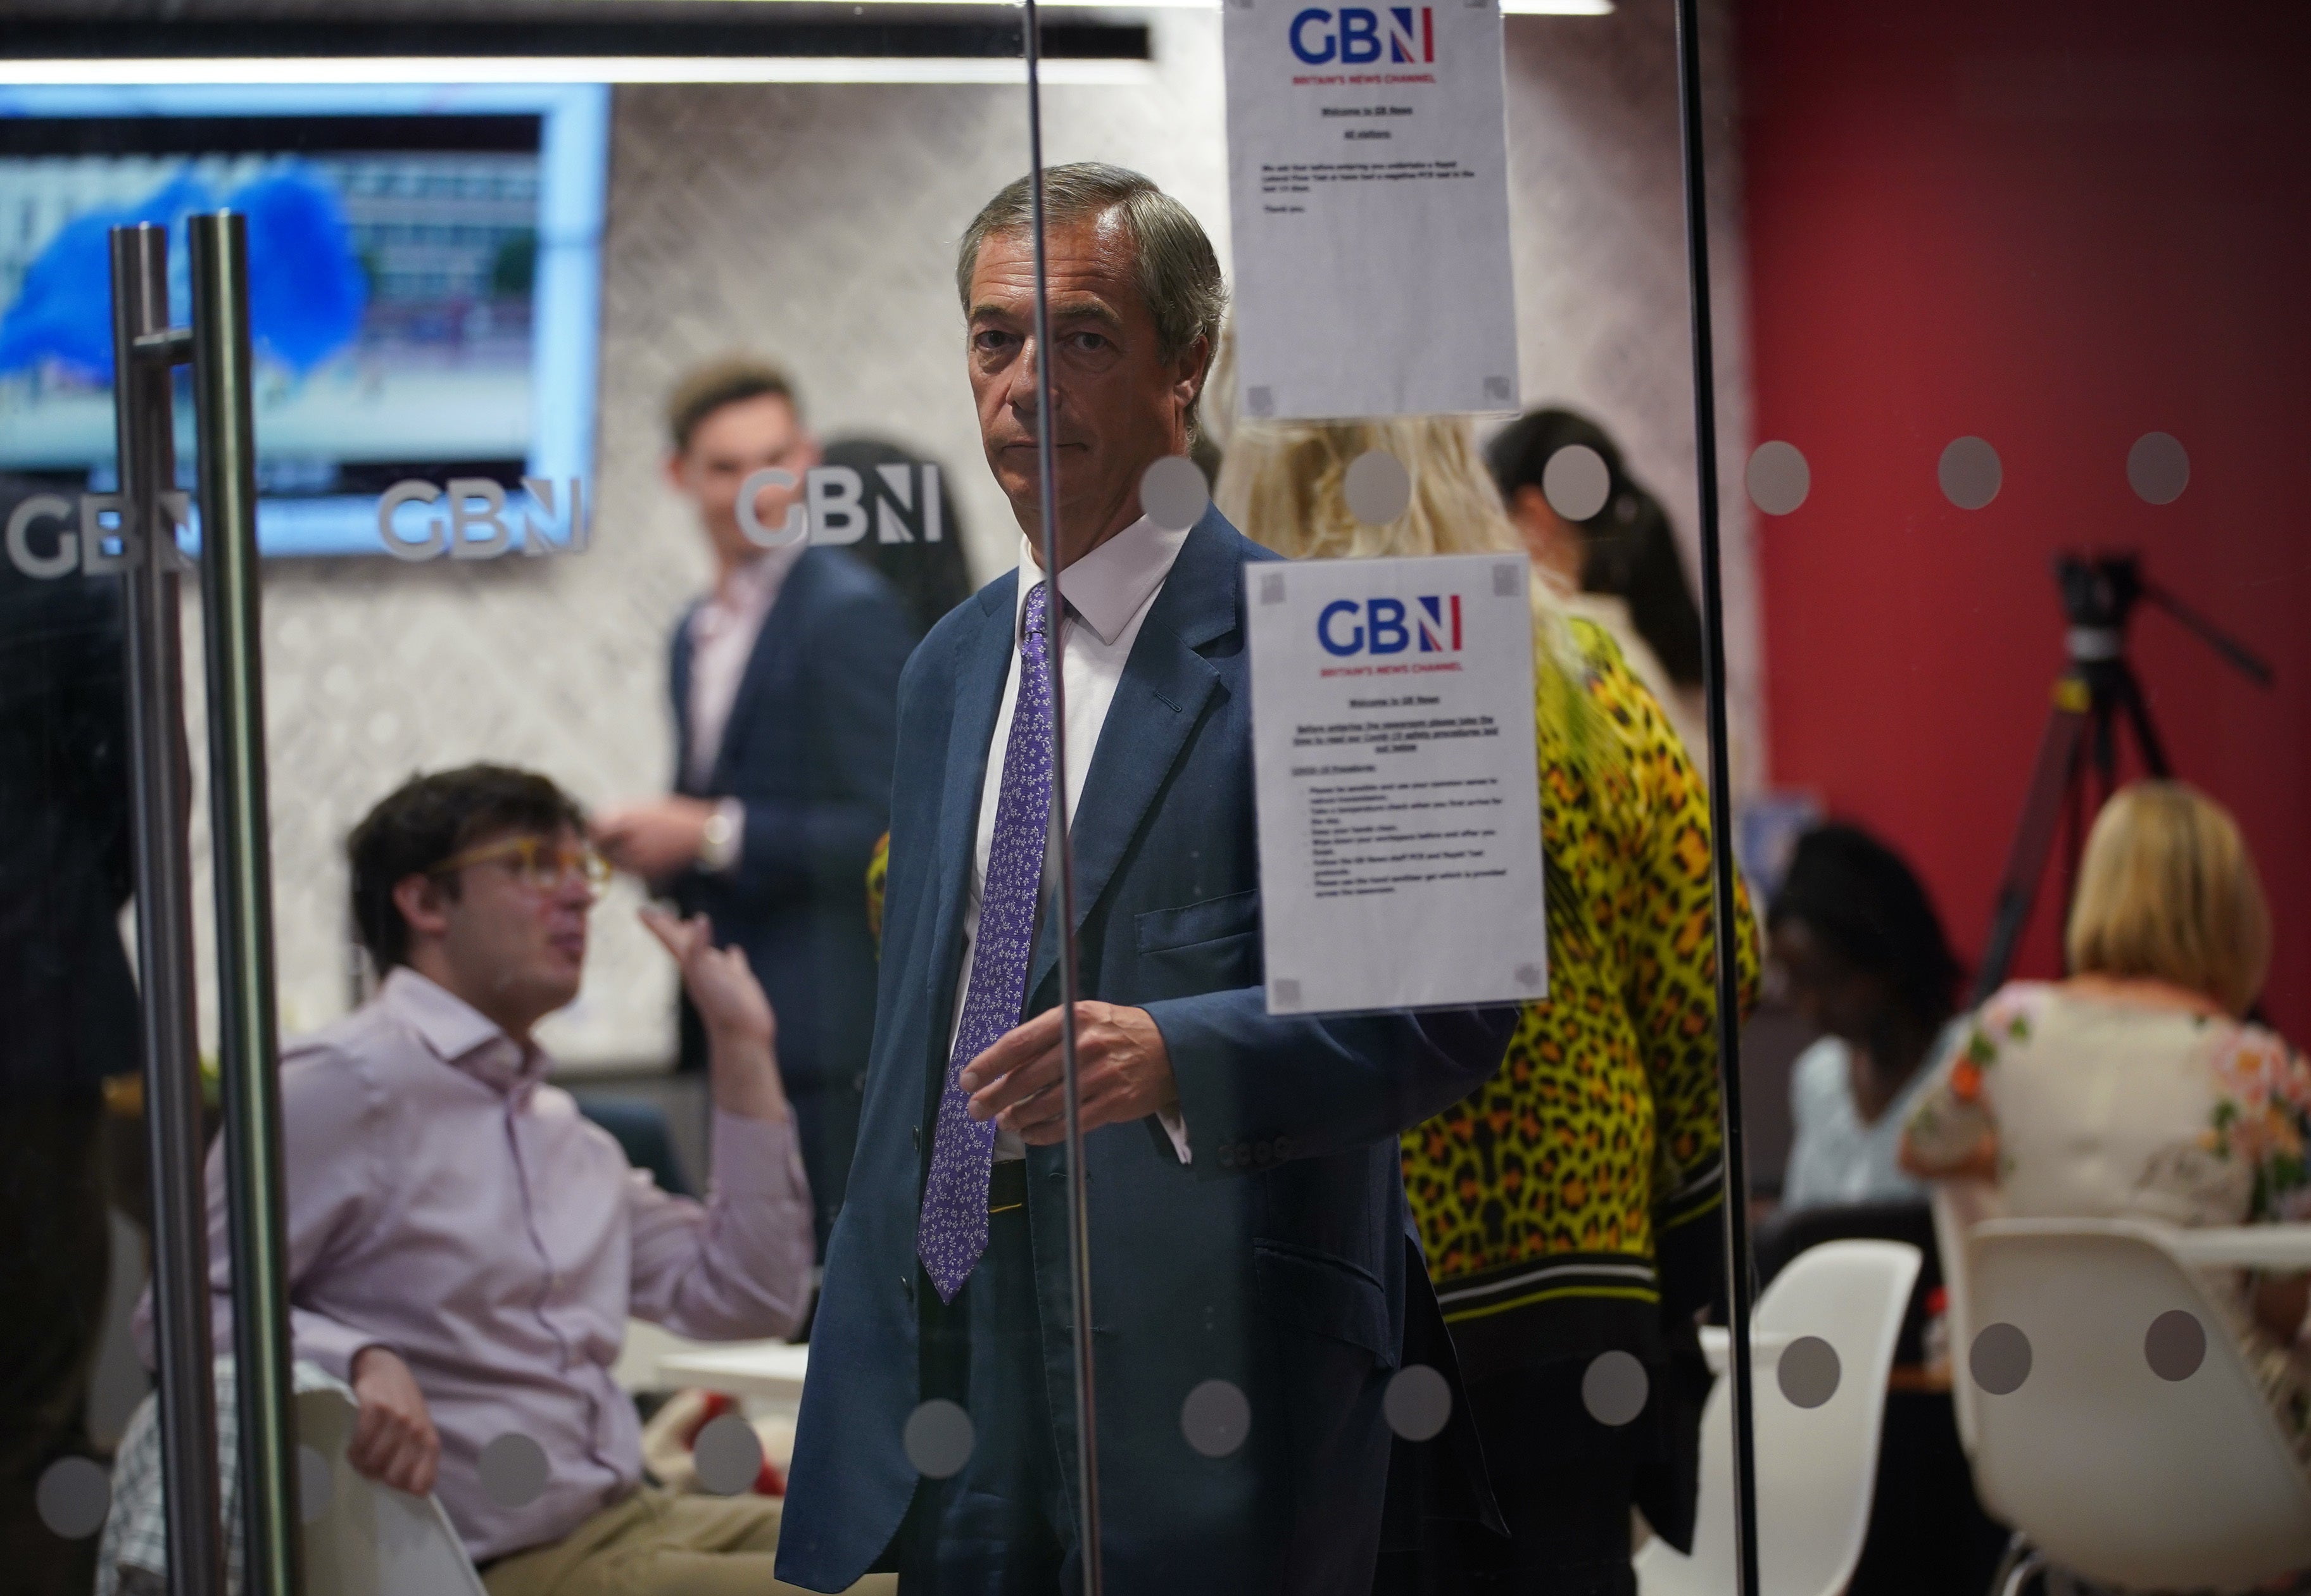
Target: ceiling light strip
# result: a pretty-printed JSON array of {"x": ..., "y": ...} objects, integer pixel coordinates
[{"x": 365, "y": 71}]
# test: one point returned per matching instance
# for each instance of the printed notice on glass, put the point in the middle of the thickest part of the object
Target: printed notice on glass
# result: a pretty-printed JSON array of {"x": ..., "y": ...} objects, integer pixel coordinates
[
  {"x": 1368, "y": 182},
  {"x": 1399, "y": 806}
]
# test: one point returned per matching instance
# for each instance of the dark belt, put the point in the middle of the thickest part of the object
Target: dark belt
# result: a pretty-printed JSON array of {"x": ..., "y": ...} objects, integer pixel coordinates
[{"x": 1006, "y": 1186}]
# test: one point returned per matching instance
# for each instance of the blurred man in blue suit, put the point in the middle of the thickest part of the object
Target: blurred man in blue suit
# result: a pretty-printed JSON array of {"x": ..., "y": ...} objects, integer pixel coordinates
[
  {"x": 70, "y": 1008},
  {"x": 785, "y": 684},
  {"x": 1247, "y": 1216}
]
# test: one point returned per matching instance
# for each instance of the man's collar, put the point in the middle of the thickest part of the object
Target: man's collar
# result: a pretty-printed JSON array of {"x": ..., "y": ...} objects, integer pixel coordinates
[
  {"x": 459, "y": 1035},
  {"x": 754, "y": 584},
  {"x": 1107, "y": 586}
]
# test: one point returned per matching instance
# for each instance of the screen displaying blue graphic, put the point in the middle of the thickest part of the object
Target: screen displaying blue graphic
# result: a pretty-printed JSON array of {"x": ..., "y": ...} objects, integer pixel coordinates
[{"x": 424, "y": 281}]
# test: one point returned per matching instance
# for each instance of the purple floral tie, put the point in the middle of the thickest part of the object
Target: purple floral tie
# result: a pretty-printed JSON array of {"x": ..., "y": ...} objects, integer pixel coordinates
[{"x": 954, "y": 1230}]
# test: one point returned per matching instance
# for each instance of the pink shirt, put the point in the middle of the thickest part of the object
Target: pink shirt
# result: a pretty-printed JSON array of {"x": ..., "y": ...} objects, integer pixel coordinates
[
  {"x": 723, "y": 631},
  {"x": 445, "y": 1203}
]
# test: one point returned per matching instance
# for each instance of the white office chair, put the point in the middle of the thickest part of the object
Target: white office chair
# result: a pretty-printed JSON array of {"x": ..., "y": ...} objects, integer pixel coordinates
[
  {"x": 2114, "y": 1469},
  {"x": 1816, "y": 1465},
  {"x": 1958, "y": 1205},
  {"x": 363, "y": 1539}
]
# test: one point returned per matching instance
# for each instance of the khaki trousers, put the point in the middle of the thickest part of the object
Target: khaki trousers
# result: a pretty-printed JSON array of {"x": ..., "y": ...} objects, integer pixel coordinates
[{"x": 655, "y": 1543}]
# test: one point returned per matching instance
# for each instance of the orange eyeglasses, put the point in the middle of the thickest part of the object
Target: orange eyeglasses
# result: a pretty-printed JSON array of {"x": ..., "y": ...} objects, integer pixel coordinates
[{"x": 538, "y": 863}]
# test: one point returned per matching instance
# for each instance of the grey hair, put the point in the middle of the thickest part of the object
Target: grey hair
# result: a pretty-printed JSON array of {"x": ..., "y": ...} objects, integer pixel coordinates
[{"x": 1178, "y": 273}]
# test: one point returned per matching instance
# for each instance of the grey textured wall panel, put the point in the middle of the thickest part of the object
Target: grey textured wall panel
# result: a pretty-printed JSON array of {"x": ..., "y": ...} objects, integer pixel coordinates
[{"x": 816, "y": 223}]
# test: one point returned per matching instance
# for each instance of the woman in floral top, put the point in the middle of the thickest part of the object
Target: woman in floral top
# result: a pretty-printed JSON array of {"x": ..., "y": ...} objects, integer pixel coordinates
[{"x": 2135, "y": 1089}]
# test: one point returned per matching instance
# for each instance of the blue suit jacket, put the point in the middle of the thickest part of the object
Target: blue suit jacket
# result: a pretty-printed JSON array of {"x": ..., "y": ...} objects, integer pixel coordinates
[
  {"x": 807, "y": 750},
  {"x": 1275, "y": 1262}
]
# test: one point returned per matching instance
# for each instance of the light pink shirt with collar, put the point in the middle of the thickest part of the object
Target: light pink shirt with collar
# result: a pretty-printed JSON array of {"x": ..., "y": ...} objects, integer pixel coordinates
[
  {"x": 442, "y": 1202},
  {"x": 723, "y": 631}
]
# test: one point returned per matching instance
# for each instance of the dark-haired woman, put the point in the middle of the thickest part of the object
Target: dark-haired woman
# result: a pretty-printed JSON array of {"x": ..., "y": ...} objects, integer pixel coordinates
[
  {"x": 1618, "y": 568},
  {"x": 1861, "y": 953}
]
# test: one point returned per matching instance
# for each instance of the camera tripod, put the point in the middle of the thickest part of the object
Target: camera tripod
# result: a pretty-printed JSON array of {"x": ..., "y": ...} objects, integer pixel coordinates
[{"x": 2095, "y": 694}]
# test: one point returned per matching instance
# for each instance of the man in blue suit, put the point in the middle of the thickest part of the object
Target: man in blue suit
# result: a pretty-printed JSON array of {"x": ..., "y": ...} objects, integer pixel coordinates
[
  {"x": 1249, "y": 1261},
  {"x": 785, "y": 686}
]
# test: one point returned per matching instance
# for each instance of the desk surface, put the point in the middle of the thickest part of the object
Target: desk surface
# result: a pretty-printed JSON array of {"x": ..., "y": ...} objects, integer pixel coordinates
[
  {"x": 771, "y": 1369},
  {"x": 1932, "y": 1380},
  {"x": 2277, "y": 1247},
  {"x": 1765, "y": 1346}
]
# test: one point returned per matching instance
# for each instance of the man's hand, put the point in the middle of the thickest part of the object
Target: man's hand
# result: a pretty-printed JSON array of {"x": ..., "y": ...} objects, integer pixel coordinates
[
  {"x": 655, "y": 838},
  {"x": 393, "y": 1442},
  {"x": 742, "y": 1033},
  {"x": 1125, "y": 1073}
]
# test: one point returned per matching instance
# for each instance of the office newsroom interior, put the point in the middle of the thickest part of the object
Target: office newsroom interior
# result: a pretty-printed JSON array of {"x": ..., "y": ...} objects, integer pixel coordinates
[{"x": 2008, "y": 450}]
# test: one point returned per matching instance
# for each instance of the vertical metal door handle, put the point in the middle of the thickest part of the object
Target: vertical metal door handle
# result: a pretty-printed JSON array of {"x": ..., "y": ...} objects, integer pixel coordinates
[
  {"x": 249, "y": 1050},
  {"x": 160, "y": 780}
]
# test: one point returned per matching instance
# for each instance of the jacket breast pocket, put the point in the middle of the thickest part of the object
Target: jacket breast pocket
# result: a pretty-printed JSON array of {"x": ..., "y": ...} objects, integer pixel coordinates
[{"x": 1207, "y": 947}]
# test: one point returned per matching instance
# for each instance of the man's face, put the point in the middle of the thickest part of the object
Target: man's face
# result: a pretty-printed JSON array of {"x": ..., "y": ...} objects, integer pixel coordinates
[
  {"x": 1119, "y": 405},
  {"x": 730, "y": 445},
  {"x": 514, "y": 939}
]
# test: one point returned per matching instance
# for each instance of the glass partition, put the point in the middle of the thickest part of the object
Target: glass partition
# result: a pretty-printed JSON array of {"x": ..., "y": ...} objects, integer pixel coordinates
[
  {"x": 1330, "y": 1337},
  {"x": 557, "y": 343},
  {"x": 688, "y": 802}
]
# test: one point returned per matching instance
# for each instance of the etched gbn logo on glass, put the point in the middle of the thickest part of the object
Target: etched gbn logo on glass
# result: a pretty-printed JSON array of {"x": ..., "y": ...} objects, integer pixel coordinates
[{"x": 839, "y": 503}]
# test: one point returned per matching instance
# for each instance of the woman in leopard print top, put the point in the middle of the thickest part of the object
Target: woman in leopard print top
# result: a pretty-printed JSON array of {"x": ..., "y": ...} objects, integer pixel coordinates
[{"x": 1566, "y": 1205}]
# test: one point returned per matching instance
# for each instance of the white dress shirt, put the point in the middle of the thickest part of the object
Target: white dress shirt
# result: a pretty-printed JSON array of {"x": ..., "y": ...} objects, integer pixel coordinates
[
  {"x": 1108, "y": 594},
  {"x": 723, "y": 631}
]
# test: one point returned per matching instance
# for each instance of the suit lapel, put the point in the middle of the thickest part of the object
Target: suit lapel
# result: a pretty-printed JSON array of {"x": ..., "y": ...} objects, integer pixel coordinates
[
  {"x": 776, "y": 648},
  {"x": 1158, "y": 703},
  {"x": 982, "y": 663},
  {"x": 679, "y": 683}
]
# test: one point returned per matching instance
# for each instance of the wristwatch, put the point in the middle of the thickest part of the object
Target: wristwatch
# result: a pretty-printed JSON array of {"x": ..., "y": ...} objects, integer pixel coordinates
[{"x": 717, "y": 842}]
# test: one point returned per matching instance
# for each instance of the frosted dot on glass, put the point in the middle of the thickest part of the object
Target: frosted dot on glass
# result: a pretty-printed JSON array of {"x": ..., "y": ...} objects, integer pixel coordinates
[
  {"x": 1576, "y": 481},
  {"x": 1614, "y": 1388},
  {"x": 1377, "y": 487},
  {"x": 1970, "y": 473},
  {"x": 1216, "y": 1418},
  {"x": 513, "y": 1470},
  {"x": 1173, "y": 493},
  {"x": 728, "y": 1455},
  {"x": 1417, "y": 1402},
  {"x": 2157, "y": 469},
  {"x": 1779, "y": 478},
  {"x": 938, "y": 1439},
  {"x": 73, "y": 1497}
]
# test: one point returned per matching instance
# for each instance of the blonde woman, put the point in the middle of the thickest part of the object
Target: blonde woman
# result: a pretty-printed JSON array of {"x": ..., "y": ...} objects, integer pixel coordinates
[
  {"x": 2136, "y": 1088},
  {"x": 1567, "y": 1206}
]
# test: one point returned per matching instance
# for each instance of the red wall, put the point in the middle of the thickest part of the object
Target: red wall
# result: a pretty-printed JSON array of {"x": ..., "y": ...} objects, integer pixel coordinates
[{"x": 2057, "y": 226}]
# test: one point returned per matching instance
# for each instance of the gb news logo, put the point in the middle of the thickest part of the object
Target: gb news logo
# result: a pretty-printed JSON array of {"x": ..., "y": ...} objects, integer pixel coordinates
[
  {"x": 49, "y": 535},
  {"x": 1355, "y": 38},
  {"x": 1347, "y": 627},
  {"x": 836, "y": 504}
]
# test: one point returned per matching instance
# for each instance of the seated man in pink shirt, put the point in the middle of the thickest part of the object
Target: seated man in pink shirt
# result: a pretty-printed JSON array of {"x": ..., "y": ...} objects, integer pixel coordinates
[{"x": 464, "y": 1249}]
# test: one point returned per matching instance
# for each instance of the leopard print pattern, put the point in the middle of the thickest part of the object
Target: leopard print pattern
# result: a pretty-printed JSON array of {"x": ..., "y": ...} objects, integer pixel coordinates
[{"x": 1602, "y": 1121}]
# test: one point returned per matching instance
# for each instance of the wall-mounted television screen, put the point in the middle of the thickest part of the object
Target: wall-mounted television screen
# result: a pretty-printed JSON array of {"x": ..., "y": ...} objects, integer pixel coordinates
[{"x": 424, "y": 281}]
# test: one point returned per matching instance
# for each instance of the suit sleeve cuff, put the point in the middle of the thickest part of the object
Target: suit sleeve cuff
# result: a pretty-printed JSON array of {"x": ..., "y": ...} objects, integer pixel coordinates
[
  {"x": 317, "y": 1338},
  {"x": 1175, "y": 1127},
  {"x": 757, "y": 1157},
  {"x": 725, "y": 841}
]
